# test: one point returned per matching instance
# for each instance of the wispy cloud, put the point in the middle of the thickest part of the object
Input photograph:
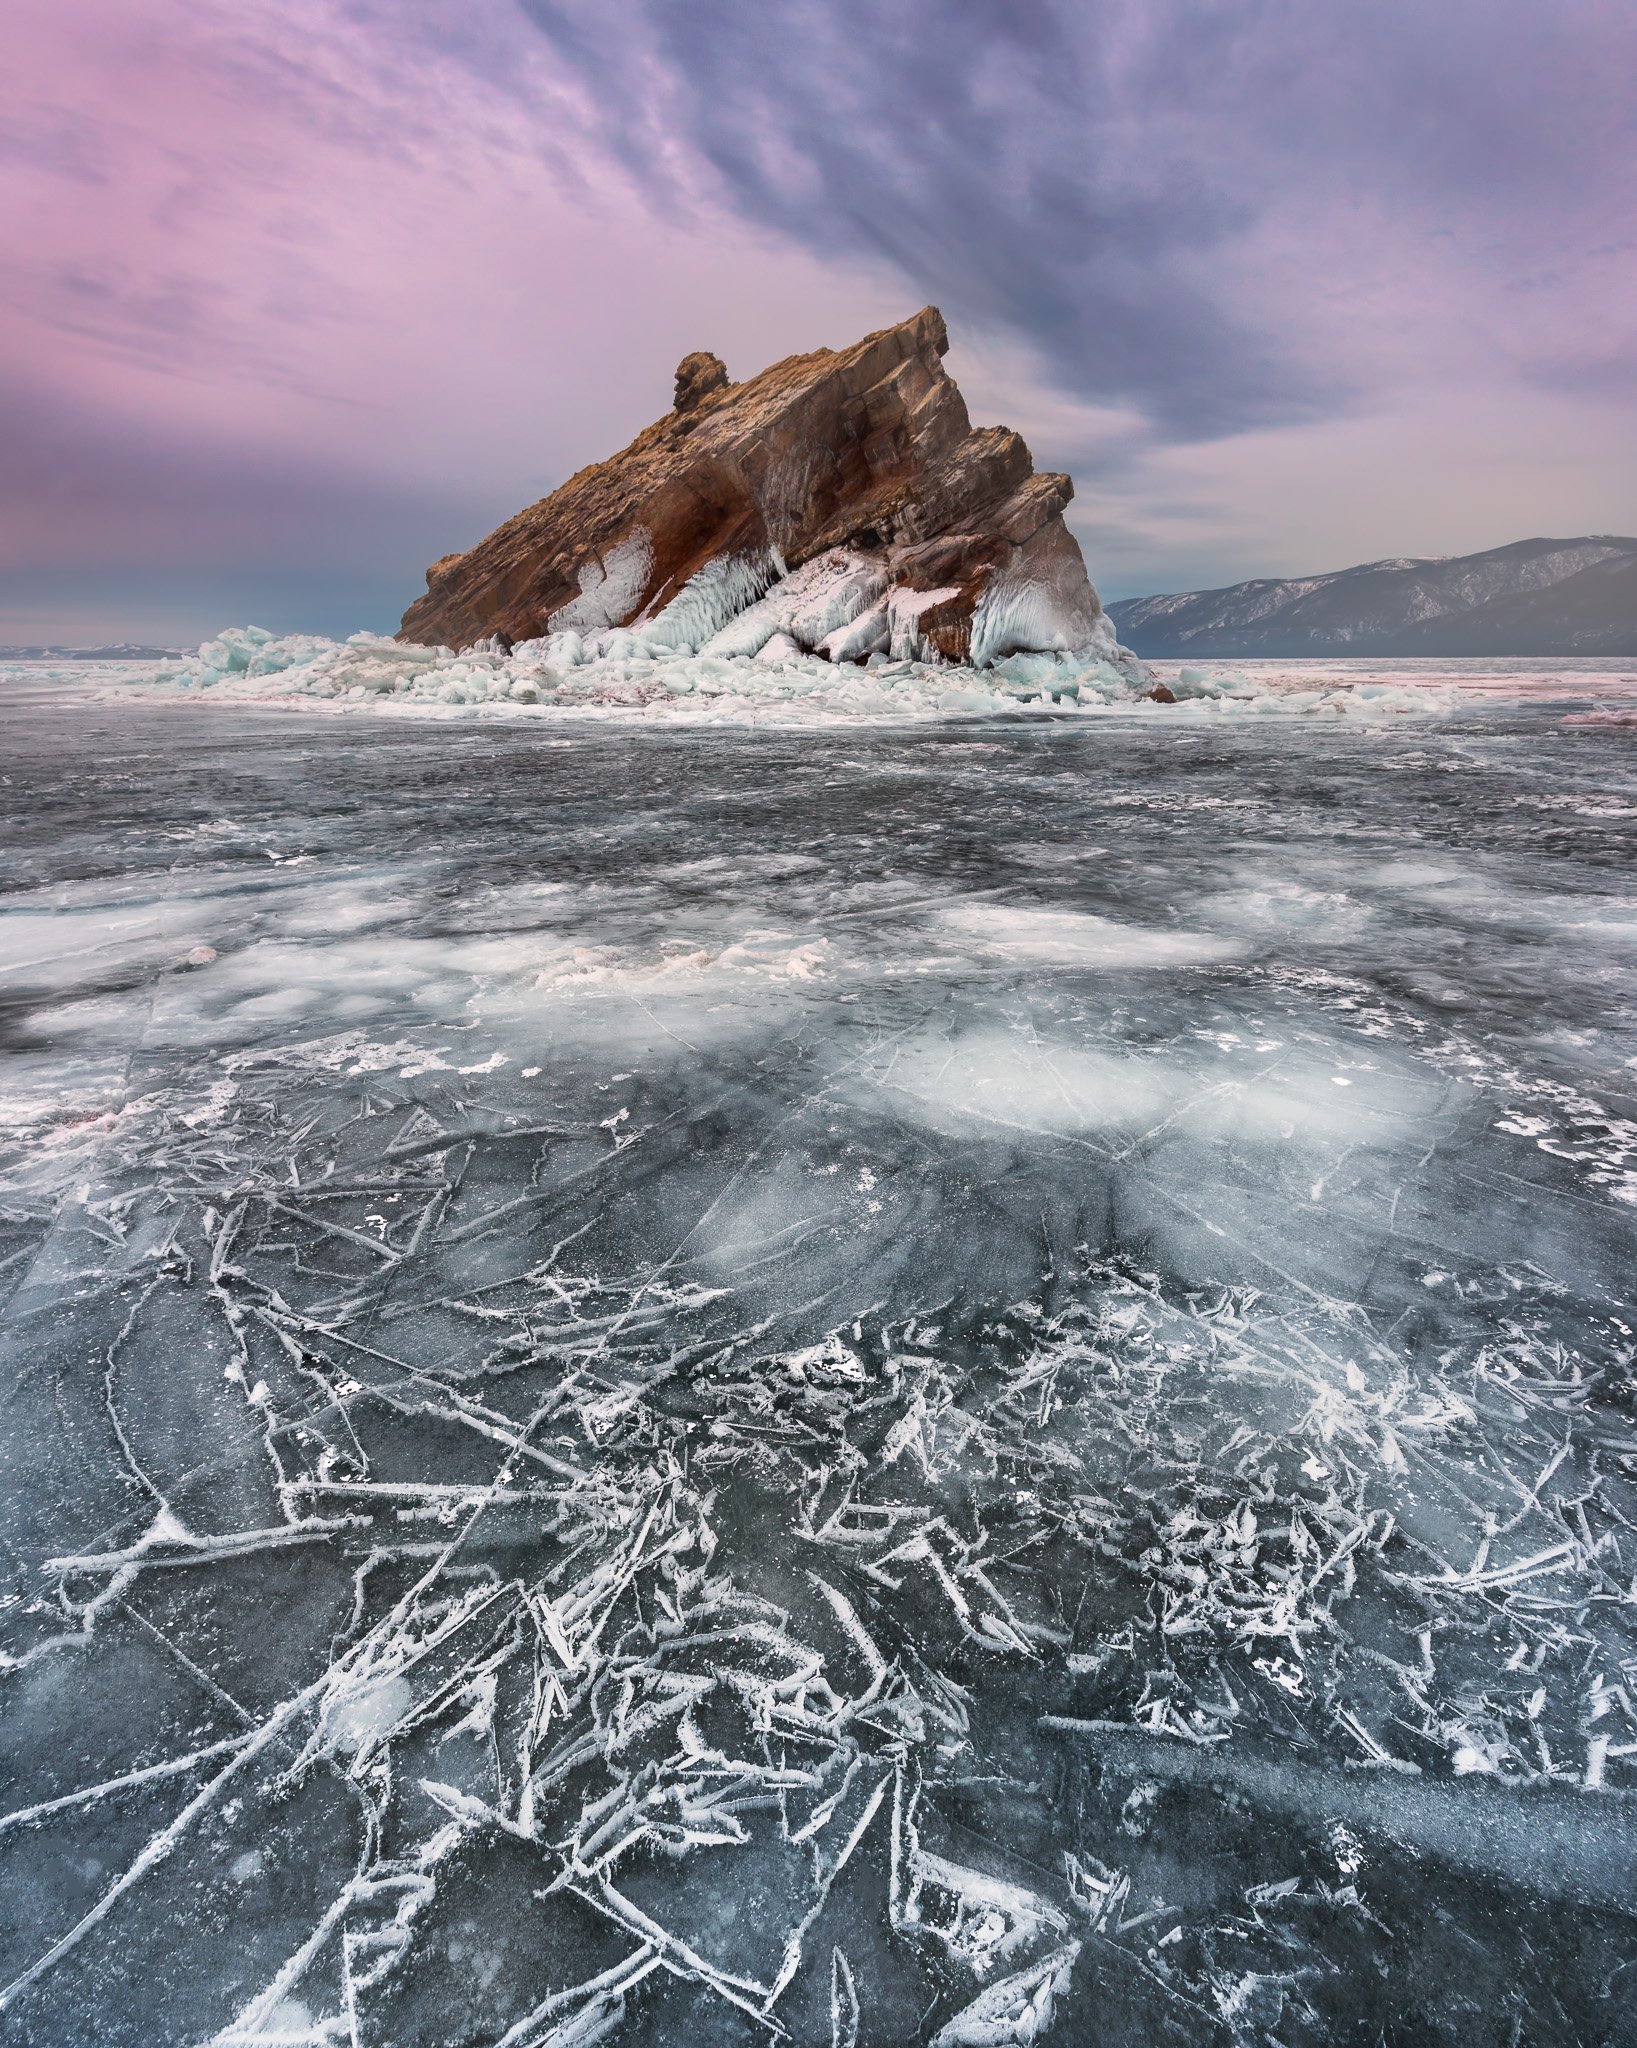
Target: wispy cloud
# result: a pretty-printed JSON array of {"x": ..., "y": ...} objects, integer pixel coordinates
[{"x": 1224, "y": 215}]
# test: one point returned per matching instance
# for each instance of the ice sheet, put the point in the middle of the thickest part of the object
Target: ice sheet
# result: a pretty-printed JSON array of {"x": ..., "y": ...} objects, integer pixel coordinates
[{"x": 961, "y": 1383}]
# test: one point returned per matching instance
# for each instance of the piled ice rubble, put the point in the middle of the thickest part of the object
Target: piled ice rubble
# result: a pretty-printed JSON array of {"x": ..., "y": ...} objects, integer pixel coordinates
[{"x": 784, "y": 656}]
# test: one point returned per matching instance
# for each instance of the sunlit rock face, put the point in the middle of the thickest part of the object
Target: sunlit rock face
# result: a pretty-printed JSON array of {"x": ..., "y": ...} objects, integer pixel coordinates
[
  {"x": 698, "y": 377},
  {"x": 841, "y": 499}
]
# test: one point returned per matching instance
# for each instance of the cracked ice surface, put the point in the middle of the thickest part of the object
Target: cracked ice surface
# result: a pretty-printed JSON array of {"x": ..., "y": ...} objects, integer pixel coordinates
[{"x": 959, "y": 1385}]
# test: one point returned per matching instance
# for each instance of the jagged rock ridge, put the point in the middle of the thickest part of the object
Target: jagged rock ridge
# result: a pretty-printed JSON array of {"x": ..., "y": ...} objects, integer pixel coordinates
[
  {"x": 841, "y": 500},
  {"x": 1532, "y": 597}
]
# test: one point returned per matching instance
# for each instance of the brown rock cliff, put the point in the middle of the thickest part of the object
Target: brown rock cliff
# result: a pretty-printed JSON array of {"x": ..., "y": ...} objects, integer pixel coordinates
[{"x": 866, "y": 450}]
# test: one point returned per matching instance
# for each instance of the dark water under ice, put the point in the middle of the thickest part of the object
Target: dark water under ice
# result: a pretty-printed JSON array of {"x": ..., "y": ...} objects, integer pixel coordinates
[{"x": 874, "y": 1386}]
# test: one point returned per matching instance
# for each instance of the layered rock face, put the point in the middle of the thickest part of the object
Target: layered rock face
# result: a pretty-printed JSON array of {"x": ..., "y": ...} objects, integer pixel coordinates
[{"x": 841, "y": 501}]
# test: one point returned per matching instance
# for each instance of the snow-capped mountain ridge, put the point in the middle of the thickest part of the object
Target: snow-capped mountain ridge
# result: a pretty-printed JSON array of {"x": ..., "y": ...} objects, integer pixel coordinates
[{"x": 1542, "y": 596}]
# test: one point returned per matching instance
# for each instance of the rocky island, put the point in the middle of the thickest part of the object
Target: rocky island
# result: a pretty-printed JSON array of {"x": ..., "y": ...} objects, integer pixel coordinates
[{"x": 840, "y": 503}]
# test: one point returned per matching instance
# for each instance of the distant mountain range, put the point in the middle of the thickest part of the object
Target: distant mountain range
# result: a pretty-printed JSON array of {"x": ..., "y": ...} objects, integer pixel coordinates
[
  {"x": 126, "y": 651},
  {"x": 1535, "y": 597}
]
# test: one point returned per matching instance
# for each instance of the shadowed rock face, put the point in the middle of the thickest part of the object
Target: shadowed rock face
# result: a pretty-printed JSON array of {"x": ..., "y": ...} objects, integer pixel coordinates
[{"x": 941, "y": 540}]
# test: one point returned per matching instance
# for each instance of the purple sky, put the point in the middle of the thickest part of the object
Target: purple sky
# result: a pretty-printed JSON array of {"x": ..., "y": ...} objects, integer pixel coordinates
[{"x": 304, "y": 293}]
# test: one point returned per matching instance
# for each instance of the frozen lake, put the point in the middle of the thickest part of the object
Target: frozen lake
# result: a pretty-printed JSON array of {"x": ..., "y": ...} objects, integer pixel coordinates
[{"x": 946, "y": 1383}]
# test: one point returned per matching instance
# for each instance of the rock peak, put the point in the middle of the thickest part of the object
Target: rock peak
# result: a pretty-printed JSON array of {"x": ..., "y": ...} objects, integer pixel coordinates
[
  {"x": 699, "y": 377},
  {"x": 946, "y": 543}
]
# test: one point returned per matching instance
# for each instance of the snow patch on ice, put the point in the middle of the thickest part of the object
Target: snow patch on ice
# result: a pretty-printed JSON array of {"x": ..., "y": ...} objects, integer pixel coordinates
[
  {"x": 1075, "y": 937},
  {"x": 362, "y": 1717},
  {"x": 1026, "y": 1083},
  {"x": 765, "y": 955}
]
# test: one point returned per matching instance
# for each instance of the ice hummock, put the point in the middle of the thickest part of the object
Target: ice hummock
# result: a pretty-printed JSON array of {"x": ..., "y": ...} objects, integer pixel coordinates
[
  {"x": 808, "y": 648},
  {"x": 747, "y": 638}
]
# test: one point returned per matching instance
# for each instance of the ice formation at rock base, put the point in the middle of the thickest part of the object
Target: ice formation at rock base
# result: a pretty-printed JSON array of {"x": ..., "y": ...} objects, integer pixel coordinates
[{"x": 755, "y": 668}]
